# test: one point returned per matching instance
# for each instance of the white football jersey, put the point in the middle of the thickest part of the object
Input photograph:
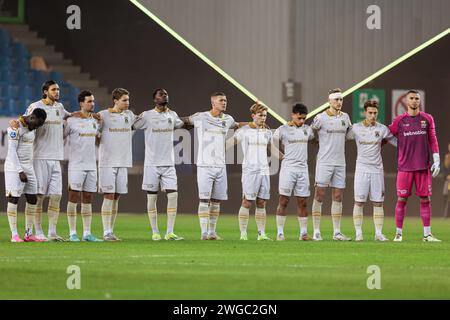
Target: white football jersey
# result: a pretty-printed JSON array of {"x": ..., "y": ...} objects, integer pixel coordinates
[
  {"x": 368, "y": 142},
  {"x": 115, "y": 150},
  {"x": 254, "y": 142},
  {"x": 81, "y": 133},
  {"x": 295, "y": 141},
  {"x": 159, "y": 128},
  {"x": 49, "y": 142},
  {"x": 20, "y": 148},
  {"x": 332, "y": 132},
  {"x": 211, "y": 133}
]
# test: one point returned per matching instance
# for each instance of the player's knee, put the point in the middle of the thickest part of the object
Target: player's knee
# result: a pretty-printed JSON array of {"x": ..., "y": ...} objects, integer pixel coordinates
[
  {"x": 108, "y": 196},
  {"x": 246, "y": 203},
  {"x": 337, "y": 195},
  {"x": 424, "y": 199},
  {"x": 31, "y": 198},
  {"x": 87, "y": 197},
  {"x": 377, "y": 204},
  {"x": 283, "y": 201},
  {"x": 260, "y": 203},
  {"x": 74, "y": 196},
  {"x": 359, "y": 204},
  {"x": 301, "y": 202},
  {"x": 215, "y": 200},
  {"x": 13, "y": 200},
  {"x": 116, "y": 196},
  {"x": 402, "y": 199},
  {"x": 319, "y": 194}
]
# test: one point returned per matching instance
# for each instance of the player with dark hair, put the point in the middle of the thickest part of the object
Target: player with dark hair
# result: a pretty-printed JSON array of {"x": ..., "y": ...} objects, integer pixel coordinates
[
  {"x": 48, "y": 152},
  {"x": 159, "y": 124},
  {"x": 81, "y": 131},
  {"x": 293, "y": 139},
  {"x": 416, "y": 134},
  {"x": 115, "y": 157},
  {"x": 369, "y": 174},
  {"x": 19, "y": 172}
]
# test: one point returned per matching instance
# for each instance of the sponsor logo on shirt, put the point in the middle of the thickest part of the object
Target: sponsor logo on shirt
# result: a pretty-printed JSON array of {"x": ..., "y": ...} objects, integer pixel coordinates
[
  {"x": 336, "y": 131},
  {"x": 298, "y": 141},
  {"x": 57, "y": 113},
  {"x": 162, "y": 130},
  {"x": 414, "y": 133},
  {"x": 343, "y": 123},
  {"x": 87, "y": 134},
  {"x": 368, "y": 142},
  {"x": 377, "y": 134},
  {"x": 13, "y": 134},
  {"x": 119, "y": 129}
]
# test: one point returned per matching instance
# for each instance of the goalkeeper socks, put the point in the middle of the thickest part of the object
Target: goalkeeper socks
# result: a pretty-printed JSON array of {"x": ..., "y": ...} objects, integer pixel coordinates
[
  {"x": 260, "y": 217},
  {"x": 72, "y": 217},
  {"x": 400, "y": 214},
  {"x": 214, "y": 211},
  {"x": 12, "y": 218},
  {"x": 172, "y": 204},
  {"x": 152, "y": 212},
  {"x": 281, "y": 220},
  {"x": 53, "y": 213},
  {"x": 378, "y": 219},
  {"x": 336, "y": 214},
  {"x": 86, "y": 215},
  {"x": 106, "y": 215},
  {"x": 203, "y": 215},
  {"x": 316, "y": 215},
  {"x": 358, "y": 219},
  {"x": 425, "y": 214},
  {"x": 244, "y": 214}
]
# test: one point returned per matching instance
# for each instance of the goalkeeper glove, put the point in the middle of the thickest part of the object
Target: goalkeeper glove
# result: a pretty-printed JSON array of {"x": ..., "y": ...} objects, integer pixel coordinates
[{"x": 435, "y": 168}]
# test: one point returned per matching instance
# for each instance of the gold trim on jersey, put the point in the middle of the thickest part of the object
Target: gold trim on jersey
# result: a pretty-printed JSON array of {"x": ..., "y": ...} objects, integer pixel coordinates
[
  {"x": 221, "y": 115},
  {"x": 367, "y": 124},
  {"x": 161, "y": 111},
  {"x": 254, "y": 126},
  {"x": 328, "y": 112},
  {"x": 48, "y": 102},
  {"x": 111, "y": 110},
  {"x": 292, "y": 124},
  {"x": 22, "y": 121}
]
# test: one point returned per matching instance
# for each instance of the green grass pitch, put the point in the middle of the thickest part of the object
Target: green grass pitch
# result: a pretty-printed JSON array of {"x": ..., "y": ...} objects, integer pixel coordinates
[{"x": 139, "y": 268}]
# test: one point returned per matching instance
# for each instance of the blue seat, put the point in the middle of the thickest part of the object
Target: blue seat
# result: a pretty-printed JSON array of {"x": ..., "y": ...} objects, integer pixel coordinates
[
  {"x": 7, "y": 106},
  {"x": 56, "y": 76},
  {"x": 20, "y": 51}
]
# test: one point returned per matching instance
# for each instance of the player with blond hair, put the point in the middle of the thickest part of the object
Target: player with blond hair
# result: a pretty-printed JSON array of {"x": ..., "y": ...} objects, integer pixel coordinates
[{"x": 255, "y": 139}]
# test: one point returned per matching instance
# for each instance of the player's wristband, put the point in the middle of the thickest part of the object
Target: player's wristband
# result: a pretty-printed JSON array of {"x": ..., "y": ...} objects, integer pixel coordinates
[{"x": 436, "y": 158}]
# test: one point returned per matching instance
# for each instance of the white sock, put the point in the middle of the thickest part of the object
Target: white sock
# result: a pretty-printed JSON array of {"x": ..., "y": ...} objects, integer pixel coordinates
[
  {"x": 316, "y": 215},
  {"x": 203, "y": 215},
  {"x": 399, "y": 231},
  {"x": 426, "y": 231},
  {"x": 86, "y": 215},
  {"x": 260, "y": 217},
  {"x": 152, "y": 212},
  {"x": 358, "y": 219},
  {"x": 53, "y": 213},
  {"x": 244, "y": 215},
  {"x": 214, "y": 211},
  {"x": 281, "y": 220},
  {"x": 336, "y": 214},
  {"x": 72, "y": 217},
  {"x": 172, "y": 205},
  {"x": 378, "y": 218},
  {"x": 106, "y": 215},
  {"x": 30, "y": 212},
  {"x": 114, "y": 211},
  {"x": 38, "y": 215},
  {"x": 12, "y": 218},
  {"x": 303, "y": 222}
]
